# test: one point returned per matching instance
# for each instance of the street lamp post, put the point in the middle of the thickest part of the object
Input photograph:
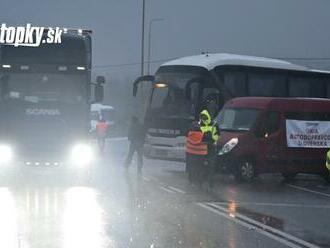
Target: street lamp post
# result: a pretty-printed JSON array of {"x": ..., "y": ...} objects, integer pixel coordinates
[
  {"x": 142, "y": 38},
  {"x": 149, "y": 40}
]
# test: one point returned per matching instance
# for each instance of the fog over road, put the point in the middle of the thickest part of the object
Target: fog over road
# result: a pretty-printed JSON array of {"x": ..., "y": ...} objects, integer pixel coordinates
[{"x": 118, "y": 208}]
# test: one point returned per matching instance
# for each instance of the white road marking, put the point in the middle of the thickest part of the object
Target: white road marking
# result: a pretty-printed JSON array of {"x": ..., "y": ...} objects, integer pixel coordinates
[
  {"x": 258, "y": 227},
  {"x": 146, "y": 179},
  {"x": 308, "y": 190},
  {"x": 293, "y": 205},
  {"x": 177, "y": 190},
  {"x": 265, "y": 227},
  {"x": 117, "y": 139},
  {"x": 154, "y": 179},
  {"x": 167, "y": 190}
]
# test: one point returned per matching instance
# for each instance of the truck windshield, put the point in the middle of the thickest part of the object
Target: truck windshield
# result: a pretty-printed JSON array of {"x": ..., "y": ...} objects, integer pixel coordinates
[
  {"x": 179, "y": 95},
  {"x": 39, "y": 87},
  {"x": 237, "y": 119},
  {"x": 71, "y": 51}
]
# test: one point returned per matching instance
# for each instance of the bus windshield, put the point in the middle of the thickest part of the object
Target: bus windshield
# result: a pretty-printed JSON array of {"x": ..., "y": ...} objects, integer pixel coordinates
[
  {"x": 39, "y": 87},
  {"x": 178, "y": 96},
  {"x": 238, "y": 119}
]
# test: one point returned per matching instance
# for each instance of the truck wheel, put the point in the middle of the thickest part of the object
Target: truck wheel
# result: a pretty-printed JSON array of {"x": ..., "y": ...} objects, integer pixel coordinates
[
  {"x": 245, "y": 171},
  {"x": 289, "y": 176}
]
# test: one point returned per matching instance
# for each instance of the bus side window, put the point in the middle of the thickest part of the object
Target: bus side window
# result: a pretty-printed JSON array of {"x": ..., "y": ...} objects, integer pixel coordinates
[
  {"x": 299, "y": 87},
  {"x": 317, "y": 88},
  {"x": 266, "y": 85},
  {"x": 211, "y": 100},
  {"x": 192, "y": 96},
  {"x": 235, "y": 83},
  {"x": 327, "y": 84},
  {"x": 307, "y": 87}
]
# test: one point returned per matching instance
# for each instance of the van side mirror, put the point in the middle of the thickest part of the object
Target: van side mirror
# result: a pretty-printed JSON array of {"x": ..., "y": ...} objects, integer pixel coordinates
[{"x": 261, "y": 132}]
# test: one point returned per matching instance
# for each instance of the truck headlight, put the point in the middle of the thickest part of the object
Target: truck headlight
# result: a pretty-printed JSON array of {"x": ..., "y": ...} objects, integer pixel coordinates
[
  {"x": 82, "y": 154},
  {"x": 6, "y": 153},
  {"x": 228, "y": 146}
]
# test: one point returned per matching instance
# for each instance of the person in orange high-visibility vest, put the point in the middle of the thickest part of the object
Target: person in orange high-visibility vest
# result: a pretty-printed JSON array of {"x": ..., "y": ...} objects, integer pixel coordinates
[
  {"x": 102, "y": 128},
  {"x": 200, "y": 149},
  {"x": 196, "y": 153}
]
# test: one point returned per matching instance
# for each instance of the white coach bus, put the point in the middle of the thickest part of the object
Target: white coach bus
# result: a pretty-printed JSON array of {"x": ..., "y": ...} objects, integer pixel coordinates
[{"x": 183, "y": 87}]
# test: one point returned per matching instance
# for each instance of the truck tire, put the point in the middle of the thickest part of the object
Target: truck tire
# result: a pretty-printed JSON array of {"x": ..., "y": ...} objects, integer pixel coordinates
[
  {"x": 289, "y": 176},
  {"x": 245, "y": 171}
]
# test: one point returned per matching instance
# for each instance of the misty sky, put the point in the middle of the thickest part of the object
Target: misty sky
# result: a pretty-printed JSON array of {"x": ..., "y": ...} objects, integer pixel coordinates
[{"x": 274, "y": 28}]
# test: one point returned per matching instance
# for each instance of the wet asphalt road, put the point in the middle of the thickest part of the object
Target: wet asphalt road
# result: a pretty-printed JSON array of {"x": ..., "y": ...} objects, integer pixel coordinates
[{"x": 118, "y": 208}]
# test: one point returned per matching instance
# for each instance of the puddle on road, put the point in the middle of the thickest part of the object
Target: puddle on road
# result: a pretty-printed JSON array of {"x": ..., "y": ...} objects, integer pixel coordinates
[{"x": 268, "y": 220}]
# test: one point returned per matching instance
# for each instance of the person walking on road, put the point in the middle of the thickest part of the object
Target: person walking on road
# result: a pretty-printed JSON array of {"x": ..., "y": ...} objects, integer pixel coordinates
[
  {"x": 102, "y": 128},
  {"x": 136, "y": 136}
]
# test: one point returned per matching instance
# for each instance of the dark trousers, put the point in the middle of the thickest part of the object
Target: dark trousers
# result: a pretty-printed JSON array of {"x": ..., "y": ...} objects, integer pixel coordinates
[
  {"x": 200, "y": 168},
  {"x": 196, "y": 167},
  {"x": 138, "y": 148}
]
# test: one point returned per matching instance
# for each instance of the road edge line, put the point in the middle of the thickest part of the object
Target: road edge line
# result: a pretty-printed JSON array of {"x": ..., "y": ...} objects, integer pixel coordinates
[
  {"x": 271, "y": 232},
  {"x": 308, "y": 190}
]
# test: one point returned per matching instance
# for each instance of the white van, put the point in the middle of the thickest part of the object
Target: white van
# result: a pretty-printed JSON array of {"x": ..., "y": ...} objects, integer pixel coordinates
[{"x": 99, "y": 110}]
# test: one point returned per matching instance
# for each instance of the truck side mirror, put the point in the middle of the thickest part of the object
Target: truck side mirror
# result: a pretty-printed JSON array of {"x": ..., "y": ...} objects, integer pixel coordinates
[
  {"x": 99, "y": 92},
  {"x": 99, "y": 89}
]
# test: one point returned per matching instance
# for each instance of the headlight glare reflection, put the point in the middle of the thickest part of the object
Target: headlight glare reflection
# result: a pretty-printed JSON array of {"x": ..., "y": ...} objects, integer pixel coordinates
[
  {"x": 82, "y": 154},
  {"x": 6, "y": 153}
]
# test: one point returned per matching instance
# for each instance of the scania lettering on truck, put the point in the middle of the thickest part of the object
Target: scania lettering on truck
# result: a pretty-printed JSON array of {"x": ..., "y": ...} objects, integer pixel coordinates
[
  {"x": 45, "y": 102},
  {"x": 274, "y": 135},
  {"x": 183, "y": 87}
]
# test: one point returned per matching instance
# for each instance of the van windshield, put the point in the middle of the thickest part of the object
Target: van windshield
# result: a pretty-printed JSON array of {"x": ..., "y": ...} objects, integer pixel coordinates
[{"x": 237, "y": 119}]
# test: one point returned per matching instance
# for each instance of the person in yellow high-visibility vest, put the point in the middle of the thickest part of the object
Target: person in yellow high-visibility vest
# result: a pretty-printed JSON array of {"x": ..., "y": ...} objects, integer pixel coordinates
[
  {"x": 210, "y": 131},
  {"x": 200, "y": 149},
  {"x": 327, "y": 163}
]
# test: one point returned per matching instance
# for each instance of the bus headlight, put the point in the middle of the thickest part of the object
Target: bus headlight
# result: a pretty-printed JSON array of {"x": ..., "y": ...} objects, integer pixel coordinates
[
  {"x": 82, "y": 154},
  {"x": 228, "y": 146},
  {"x": 6, "y": 153}
]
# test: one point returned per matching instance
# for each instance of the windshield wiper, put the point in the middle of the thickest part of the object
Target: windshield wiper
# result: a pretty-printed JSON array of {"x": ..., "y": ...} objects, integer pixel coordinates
[{"x": 243, "y": 128}]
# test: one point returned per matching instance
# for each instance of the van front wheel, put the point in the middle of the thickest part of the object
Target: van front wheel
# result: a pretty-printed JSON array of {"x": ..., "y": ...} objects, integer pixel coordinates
[{"x": 245, "y": 171}]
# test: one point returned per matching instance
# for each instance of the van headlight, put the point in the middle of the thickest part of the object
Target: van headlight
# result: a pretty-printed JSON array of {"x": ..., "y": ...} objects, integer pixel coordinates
[
  {"x": 228, "y": 146},
  {"x": 82, "y": 154},
  {"x": 6, "y": 153}
]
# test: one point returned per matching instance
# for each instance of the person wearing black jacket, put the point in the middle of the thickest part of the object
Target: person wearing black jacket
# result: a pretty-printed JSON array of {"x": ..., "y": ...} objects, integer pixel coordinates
[{"x": 136, "y": 136}]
